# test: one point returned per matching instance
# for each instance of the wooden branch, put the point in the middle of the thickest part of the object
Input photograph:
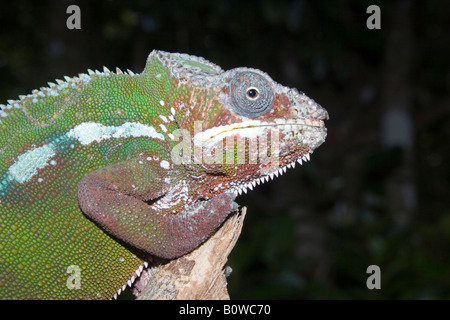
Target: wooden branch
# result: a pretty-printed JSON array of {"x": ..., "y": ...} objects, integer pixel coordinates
[{"x": 199, "y": 275}]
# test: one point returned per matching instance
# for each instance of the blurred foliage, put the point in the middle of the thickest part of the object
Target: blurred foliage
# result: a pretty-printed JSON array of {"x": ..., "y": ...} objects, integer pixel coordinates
[{"x": 312, "y": 233}]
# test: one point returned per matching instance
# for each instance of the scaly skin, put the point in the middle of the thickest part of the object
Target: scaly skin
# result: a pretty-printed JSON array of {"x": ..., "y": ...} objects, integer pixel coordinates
[{"x": 91, "y": 173}]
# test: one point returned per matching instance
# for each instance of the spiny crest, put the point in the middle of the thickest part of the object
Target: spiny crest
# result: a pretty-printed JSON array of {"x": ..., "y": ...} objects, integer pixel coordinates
[{"x": 54, "y": 89}]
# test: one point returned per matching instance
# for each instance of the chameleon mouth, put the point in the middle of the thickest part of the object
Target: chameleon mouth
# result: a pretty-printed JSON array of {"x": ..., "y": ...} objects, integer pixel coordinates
[{"x": 311, "y": 132}]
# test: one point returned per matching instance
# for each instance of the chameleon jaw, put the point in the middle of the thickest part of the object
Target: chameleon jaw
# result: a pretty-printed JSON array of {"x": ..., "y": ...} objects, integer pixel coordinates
[{"x": 312, "y": 134}]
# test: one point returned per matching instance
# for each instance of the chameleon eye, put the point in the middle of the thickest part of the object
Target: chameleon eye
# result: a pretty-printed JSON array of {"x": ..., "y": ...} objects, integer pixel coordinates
[{"x": 251, "y": 94}]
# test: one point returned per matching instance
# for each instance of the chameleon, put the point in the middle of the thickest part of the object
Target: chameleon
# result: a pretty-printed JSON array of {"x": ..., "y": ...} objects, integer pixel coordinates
[{"x": 101, "y": 170}]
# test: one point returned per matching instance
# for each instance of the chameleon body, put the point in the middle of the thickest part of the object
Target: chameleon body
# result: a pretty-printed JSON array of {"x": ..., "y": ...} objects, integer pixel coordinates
[{"x": 102, "y": 169}]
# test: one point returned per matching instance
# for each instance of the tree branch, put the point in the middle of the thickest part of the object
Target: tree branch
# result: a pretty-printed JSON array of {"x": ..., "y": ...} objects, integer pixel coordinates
[{"x": 199, "y": 275}]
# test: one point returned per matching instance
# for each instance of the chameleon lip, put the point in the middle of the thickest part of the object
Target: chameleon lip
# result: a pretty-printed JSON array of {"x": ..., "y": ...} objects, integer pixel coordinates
[{"x": 221, "y": 132}]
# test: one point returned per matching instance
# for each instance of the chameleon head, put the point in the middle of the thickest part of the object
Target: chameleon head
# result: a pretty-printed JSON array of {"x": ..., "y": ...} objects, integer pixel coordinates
[{"x": 277, "y": 125}]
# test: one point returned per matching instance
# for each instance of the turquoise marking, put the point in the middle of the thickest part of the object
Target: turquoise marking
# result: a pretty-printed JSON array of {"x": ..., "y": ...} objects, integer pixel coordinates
[
  {"x": 89, "y": 132},
  {"x": 28, "y": 163}
]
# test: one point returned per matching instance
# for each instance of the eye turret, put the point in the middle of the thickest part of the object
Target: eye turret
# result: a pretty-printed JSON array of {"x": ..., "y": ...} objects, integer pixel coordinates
[{"x": 251, "y": 94}]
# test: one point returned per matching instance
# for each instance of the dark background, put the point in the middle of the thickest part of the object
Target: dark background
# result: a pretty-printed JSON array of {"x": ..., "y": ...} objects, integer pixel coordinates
[{"x": 376, "y": 192}]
